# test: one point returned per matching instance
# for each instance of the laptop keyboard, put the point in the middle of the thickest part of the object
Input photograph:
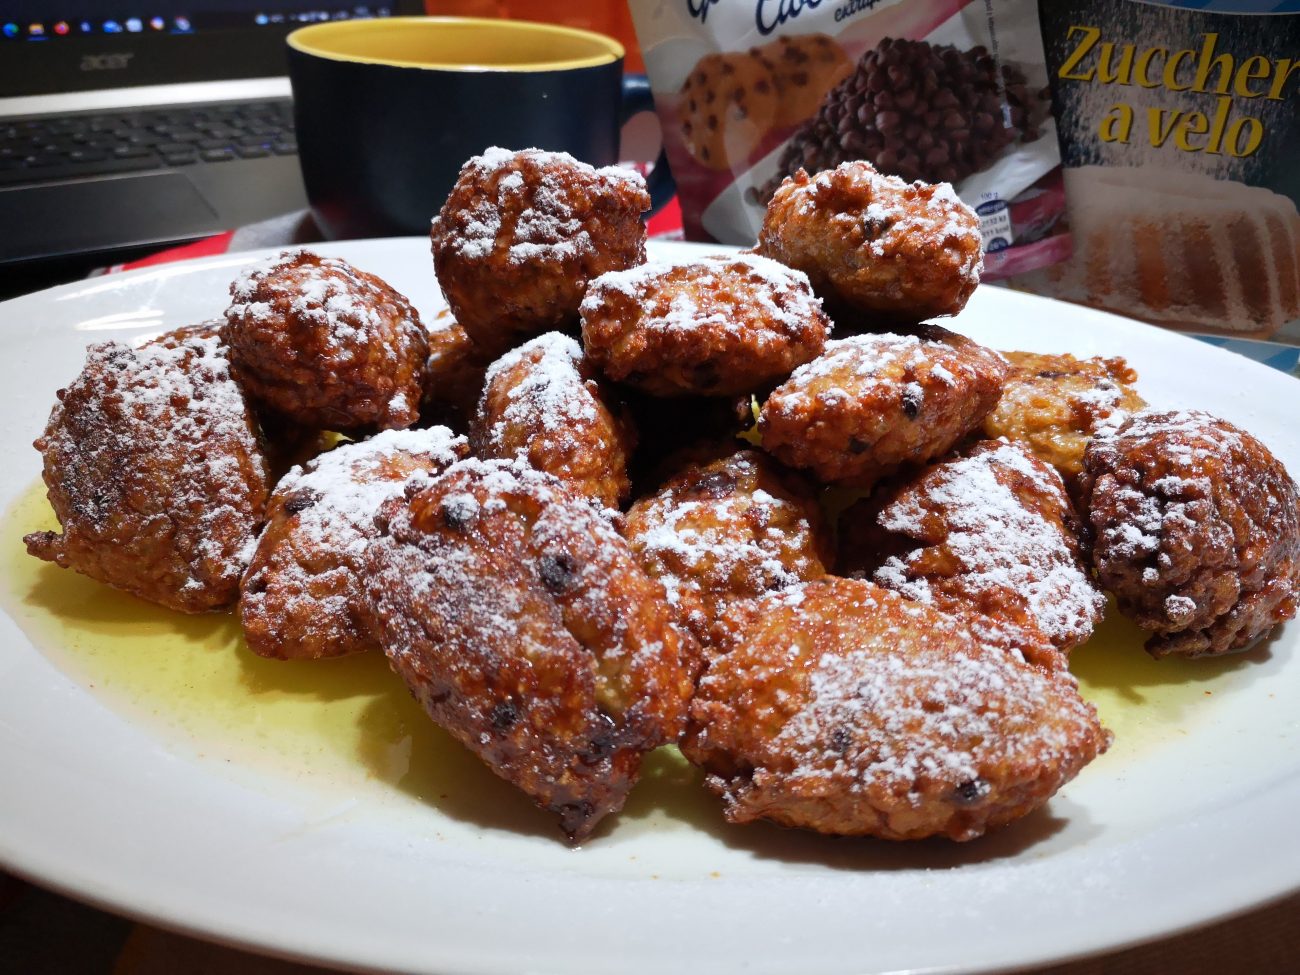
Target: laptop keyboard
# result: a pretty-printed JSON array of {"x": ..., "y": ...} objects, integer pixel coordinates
[{"x": 70, "y": 146}]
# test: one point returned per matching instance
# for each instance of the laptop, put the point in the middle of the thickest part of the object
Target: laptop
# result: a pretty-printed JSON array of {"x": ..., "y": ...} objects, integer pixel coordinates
[{"x": 144, "y": 123}]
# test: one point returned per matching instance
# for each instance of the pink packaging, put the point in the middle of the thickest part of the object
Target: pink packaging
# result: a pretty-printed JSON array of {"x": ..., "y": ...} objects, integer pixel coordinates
[{"x": 748, "y": 91}]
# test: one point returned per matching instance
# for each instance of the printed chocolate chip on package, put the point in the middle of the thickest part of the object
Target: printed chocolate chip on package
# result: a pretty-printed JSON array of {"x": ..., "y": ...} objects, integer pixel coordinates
[
  {"x": 1180, "y": 129},
  {"x": 750, "y": 91}
]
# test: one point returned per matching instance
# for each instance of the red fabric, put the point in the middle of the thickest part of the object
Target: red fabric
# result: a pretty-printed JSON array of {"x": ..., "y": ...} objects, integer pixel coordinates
[
  {"x": 206, "y": 247},
  {"x": 666, "y": 221}
]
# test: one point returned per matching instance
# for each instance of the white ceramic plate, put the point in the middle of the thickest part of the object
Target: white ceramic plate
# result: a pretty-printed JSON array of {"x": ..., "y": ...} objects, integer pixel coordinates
[{"x": 1189, "y": 818}]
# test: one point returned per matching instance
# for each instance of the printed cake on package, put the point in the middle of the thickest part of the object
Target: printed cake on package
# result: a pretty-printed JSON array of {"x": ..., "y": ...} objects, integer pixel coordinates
[
  {"x": 750, "y": 91},
  {"x": 1180, "y": 129}
]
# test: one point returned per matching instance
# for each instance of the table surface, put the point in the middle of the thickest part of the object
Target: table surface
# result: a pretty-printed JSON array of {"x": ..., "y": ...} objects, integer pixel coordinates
[{"x": 41, "y": 932}]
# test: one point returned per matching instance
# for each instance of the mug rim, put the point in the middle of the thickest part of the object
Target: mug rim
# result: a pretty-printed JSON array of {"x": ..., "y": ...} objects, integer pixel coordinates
[{"x": 300, "y": 41}]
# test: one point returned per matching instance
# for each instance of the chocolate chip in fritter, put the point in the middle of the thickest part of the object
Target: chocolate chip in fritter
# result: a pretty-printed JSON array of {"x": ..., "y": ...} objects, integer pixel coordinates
[
  {"x": 969, "y": 793},
  {"x": 573, "y": 815},
  {"x": 459, "y": 513},
  {"x": 913, "y": 397},
  {"x": 300, "y": 501},
  {"x": 504, "y": 714},
  {"x": 604, "y": 742},
  {"x": 559, "y": 573},
  {"x": 840, "y": 739},
  {"x": 715, "y": 484}
]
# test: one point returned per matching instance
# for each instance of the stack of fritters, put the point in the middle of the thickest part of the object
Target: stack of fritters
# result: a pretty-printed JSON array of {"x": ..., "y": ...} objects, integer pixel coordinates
[{"x": 561, "y": 624}]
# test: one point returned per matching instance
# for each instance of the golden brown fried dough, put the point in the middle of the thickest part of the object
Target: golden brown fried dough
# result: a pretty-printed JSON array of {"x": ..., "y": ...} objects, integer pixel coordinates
[
  {"x": 725, "y": 530},
  {"x": 1195, "y": 530},
  {"x": 182, "y": 333},
  {"x": 523, "y": 233},
  {"x": 844, "y": 708},
  {"x": 325, "y": 345},
  {"x": 542, "y": 405},
  {"x": 285, "y": 442},
  {"x": 155, "y": 470},
  {"x": 521, "y": 621},
  {"x": 714, "y": 327},
  {"x": 1055, "y": 403},
  {"x": 989, "y": 532},
  {"x": 873, "y": 403},
  {"x": 901, "y": 251},
  {"x": 453, "y": 376},
  {"x": 303, "y": 596}
]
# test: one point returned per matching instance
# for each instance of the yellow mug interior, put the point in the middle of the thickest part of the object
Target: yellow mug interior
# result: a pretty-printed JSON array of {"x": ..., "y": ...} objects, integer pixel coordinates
[{"x": 457, "y": 44}]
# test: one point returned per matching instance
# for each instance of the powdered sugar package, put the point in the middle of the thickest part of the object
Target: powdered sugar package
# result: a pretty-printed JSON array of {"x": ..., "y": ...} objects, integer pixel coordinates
[
  {"x": 1180, "y": 128},
  {"x": 749, "y": 91}
]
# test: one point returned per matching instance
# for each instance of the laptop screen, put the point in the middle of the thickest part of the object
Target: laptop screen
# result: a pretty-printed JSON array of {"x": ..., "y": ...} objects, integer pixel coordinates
[{"x": 49, "y": 46}]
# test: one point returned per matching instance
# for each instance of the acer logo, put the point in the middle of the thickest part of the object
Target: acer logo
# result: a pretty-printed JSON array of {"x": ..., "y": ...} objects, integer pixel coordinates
[{"x": 106, "y": 62}]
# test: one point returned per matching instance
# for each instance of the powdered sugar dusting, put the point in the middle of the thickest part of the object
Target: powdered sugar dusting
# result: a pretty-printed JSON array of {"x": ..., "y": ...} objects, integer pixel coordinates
[
  {"x": 1188, "y": 438},
  {"x": 348, "y": 484},
  {"x": 531, "y": 217},
  {"x": 539, "y": 406},
  {"x": 404, "y": 574},
  {"x": 868, "y": 360},
  {"x": 913, "y": 716},
  {"x": 883, "y": 715},
  {"x": 1184, "y": 433},
  {"x": 782, "y": 296},
  {"x": 707, "y": 547},
  {"x": 900, "y": 215},
  {"x": 1005, "y": 551},
  {"x": 162, "y": 435},
  {"x": 343, "y": 305},
  {"x": 304, "y": 594},
  {"x": 552, "y": 395},
  {"x": 196, "y": 373},
  {"x": 494, "y": 158},
  {"x": 580, "y": 549}
]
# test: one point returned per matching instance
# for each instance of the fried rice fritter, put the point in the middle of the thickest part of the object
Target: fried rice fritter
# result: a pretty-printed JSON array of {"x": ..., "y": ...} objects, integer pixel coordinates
[
  {"x": 523, "y": 233},
  {"x": 285, "y": 442},
  {"x": 522, "y": 623},
  {"x": 155, "y": 469},
  {"x": 1195, "y": 529},
  {"x": 182, "y": 333},
  {"x": 303, "y": 596},
  {"x": 844, "y": 708},
  {"x": 1055, "y": 403},
  {"x": 713, "y": 327},
  {"x": 873, "y": 403},
  {"x": 542, "y": 404},
  {"x": 730, "y": 529},
  {"x": 453, "y": 375},
  {"x": 326, "y": 345},
  {"x": 990, "y": 532},
  {"x": 873, "y": 243}
]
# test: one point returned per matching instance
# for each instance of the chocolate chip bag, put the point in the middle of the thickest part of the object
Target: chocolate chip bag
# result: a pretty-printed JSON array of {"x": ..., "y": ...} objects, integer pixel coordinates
[{"x": 750, "y": 91}]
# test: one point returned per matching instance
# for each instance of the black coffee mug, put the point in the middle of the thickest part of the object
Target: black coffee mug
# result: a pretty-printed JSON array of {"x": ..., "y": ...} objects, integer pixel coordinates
[{"x": 388, "y": 110}]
